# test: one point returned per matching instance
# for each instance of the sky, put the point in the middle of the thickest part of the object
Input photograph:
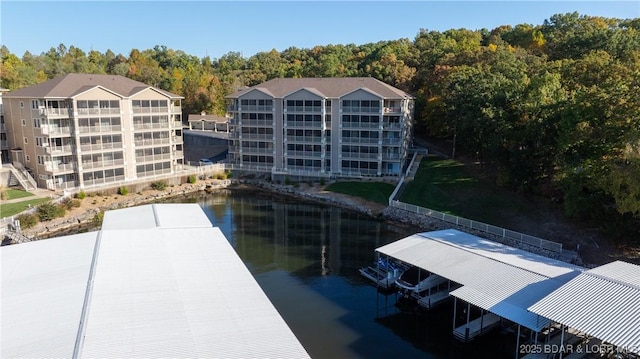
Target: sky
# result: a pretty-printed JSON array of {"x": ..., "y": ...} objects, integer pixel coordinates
[{"x": 214, "y": 28}]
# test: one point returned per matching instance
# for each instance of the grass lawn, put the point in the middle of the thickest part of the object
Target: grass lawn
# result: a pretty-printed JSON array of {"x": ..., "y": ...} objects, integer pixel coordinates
[
  {"x": 446, "y": 186},
  {"x": 378, "y": 192},
  {"x": 9, "y": 209},
  {"x": 16, "y": 193}
]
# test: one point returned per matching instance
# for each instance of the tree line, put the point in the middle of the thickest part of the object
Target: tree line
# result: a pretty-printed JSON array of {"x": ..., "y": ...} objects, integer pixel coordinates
[{"x": 550, "y": 109}]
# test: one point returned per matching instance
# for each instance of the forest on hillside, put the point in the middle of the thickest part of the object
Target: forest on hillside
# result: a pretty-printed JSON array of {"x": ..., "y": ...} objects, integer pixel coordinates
[{"x": 551, "y": 109}]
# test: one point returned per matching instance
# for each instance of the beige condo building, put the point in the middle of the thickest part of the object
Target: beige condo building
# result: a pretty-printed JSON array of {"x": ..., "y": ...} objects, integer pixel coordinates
[
  {"x": 327, "y": 127},
  {"x": 90, "y": 131}
]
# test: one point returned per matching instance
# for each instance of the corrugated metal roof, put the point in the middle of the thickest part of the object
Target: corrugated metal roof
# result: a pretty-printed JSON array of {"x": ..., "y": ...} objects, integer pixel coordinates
[
  {"x": 495, "y": 277},
  {"x": 171, "y": 286},
  {"x": 603, "y": 302},
  {"x": 43, "y": 290}
]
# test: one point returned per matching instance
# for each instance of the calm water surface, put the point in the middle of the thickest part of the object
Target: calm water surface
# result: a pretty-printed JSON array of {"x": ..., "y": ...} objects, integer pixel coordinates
[{"x": 306, "y": 258}]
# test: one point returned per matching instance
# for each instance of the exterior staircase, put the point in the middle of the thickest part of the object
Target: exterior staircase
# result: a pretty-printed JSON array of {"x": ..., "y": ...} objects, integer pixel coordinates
[{"x": 19, "y": 175}]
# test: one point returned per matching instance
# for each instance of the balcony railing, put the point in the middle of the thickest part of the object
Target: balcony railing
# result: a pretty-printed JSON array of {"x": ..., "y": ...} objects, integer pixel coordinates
[
  {"x": 306, "y": 139},
  {"x": 100, "y": 164},
  {"x": 263, "y": 123},
  {"x": 60, "y": 167},
  {"x": 304, "y": 124},
  {"x": 394, "y": 125},
  {"x": 103, "y": 180},
  {"x": 66, "y": 185},
  {"x": 390, "y": 156},
  {"x": 153, "y": 158},
  {"x": 100, "y": 146},
  {"x": 155, "y": 172},
  {"x": 392, "y": 110},
  {"x": 66, "y": 112},
  {"x": 370, "y": 125},
  {"x": 151, "y": 142},
  {"x": 98, "y": 111},
  {"x": 95, "y": 129},
  {"x": 359, "y": 155},
  {"x": 360, "y": 140},
  {"x": 351, "y": 109},
  {"x": 145, "y": 126},
  {"x": 392, "y": 141},
  {"x": 178, "y": 154},
  {"x": 313, "y": 154},
  {"x": 55, "y": 150},
  {"x": 152, "y": 109},
  {"x": 54, "y": 130},
  {"x": 246, "y": 150},
  {"x": 256, "y": 108},
  {"x": 304, "y": 109},
  {"x": 255, "y": 136}
]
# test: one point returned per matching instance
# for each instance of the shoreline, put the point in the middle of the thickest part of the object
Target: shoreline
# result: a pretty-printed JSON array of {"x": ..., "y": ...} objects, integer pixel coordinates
[{"x": 81, "y": 218}]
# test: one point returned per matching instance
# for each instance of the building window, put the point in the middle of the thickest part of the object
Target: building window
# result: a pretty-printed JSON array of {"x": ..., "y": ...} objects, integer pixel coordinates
[
  {"x": 24, "y": 122},
  {"x": 34, "y": 104},
  {"x": 27, "y": 158},
  {"x": 21, "y": 104},
  {"x": 40, "y": 160},
  {"x": 26, "y": 140},
  {"x": 36, "y": 122}
]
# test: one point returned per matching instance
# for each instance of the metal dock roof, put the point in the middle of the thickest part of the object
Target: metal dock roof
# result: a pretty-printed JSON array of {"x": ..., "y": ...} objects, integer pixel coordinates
[
  {"x": 498, "y": 278},
  {"x": 603, "y": 302},
  {"x": 170, "y": 285}
]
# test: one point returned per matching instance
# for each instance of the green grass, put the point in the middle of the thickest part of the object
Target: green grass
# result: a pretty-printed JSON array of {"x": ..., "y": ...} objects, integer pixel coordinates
[
  {"x": 378, "y": 192},
  {"x": 16, "y": 193},
  {"x": 10, "y": 209},
  {"x": 446, "y": 186}
]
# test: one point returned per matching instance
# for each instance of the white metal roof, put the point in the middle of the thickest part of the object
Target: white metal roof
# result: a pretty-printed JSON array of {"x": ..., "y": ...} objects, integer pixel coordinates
[
  {"x": 603, "y": 302},
  {"x": 154, "y": 291},
  {"x": 495, "y": 277},
  {"x": 42, "y": 293}
]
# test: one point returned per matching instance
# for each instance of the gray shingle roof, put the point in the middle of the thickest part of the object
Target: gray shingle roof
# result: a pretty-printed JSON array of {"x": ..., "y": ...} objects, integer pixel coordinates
[
  {"x": 330, "y": 87},
  {"x": 69, "y": 85}
]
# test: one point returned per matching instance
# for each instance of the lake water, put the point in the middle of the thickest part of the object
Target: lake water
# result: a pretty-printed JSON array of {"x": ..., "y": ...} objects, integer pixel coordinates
[{"x": 306, "y": 258}]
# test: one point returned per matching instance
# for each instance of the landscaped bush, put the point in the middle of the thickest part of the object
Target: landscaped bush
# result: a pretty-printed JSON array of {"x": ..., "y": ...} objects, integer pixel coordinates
[
  {"x": 69, "y": 203},
  {"x": 322, "y": 181},
  {"x": 81, "y": 195},
  {"x": 97, "y": 219},
  {"x": 159, "y": 185},
  {"x": 48, "y": 211},
  {"x": 287, "y": 181},
  {"x": 192, "y": 179},
  {"x": 27, "y": 220},
  {"x": 123, "y": 191}
]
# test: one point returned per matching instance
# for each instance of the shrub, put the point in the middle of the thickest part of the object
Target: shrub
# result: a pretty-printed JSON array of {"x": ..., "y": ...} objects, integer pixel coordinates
[
  {"x": 159, "y": 185},
  {"x": 287, "y": 181},
  {"x": 228, "y": 174},
  {"x": 322, "y": 181},
  {"x": 75, "y": 203},
  {"x": 192, "y": 179},
  {"x": 97, "y": 219},
  {"x": 81, "y": 195},
  {"x": 68, "y": 203},
  {"x": 27, "y": 220},
  {"x": 48, "y": 211},
  {"x": 123, "y": 191}
]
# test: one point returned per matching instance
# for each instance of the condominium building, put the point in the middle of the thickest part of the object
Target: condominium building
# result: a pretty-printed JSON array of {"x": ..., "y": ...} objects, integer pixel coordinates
[
  {"x": 338, "y": 127},
  {"x": 87, "y": 130}
]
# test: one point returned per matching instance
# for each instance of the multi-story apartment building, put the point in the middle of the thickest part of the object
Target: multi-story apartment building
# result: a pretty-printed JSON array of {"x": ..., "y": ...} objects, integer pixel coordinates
[
  {"x": 87, "y": 130},
  {"x": 346, "y": 127},
  {"x": 4, "y": 147}
]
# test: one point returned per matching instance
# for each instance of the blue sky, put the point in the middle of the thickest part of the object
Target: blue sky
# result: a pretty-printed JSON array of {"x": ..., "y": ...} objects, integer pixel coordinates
[{"x": 214, "y": 28}]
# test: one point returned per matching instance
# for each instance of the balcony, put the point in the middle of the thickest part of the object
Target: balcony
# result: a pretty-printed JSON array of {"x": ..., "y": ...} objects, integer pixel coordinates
[
  {"x": 99, "y": 129},
  {"x": 392, "y": 126},
  {"x": 307, "y": 109},
  {"x": 100, "y": 146},
  {"x": 391, "y": 156},
  {"x": 261, "y": 108},
  {"x": 392, "y": 141},
  {"x": 100, "y": 164},
  {"x": 392, "y": 110},
  {"x": 258, "y": 123},
  {"x": 356, "y": 109},
  {"x": 154, "y": 109},
  {"x": 178, "y": 154}
]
